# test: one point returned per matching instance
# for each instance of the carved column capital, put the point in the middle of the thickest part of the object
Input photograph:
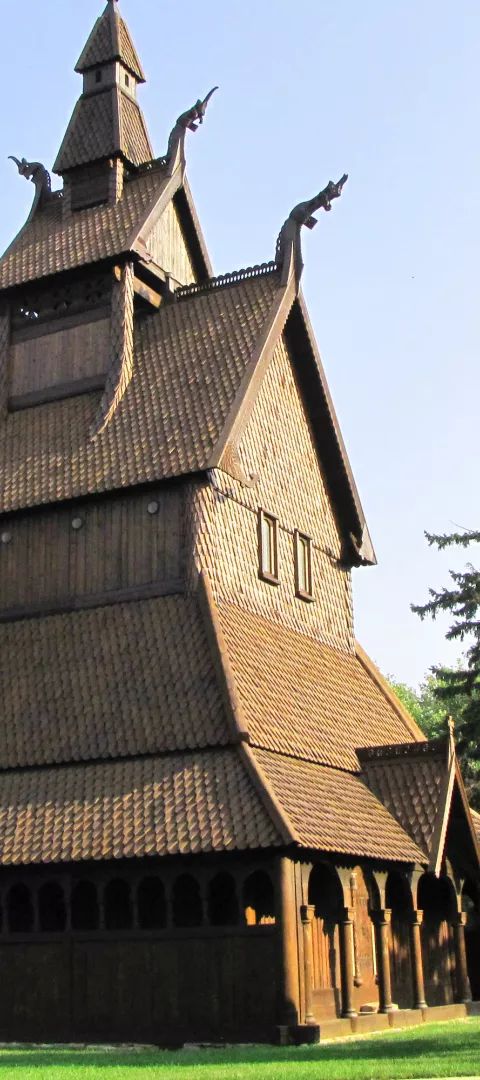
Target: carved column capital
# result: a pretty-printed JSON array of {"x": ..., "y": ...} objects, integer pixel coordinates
[
  {"x": 416, "y": 918},
  {"x": 347, "y": 915},
  {"x": 307, "y": 912},
  {"x": 460, "y": 918},
  {"x": 381, "y": 916}
]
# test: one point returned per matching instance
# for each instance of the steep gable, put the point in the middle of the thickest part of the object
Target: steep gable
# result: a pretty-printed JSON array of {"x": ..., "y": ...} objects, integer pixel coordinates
[{"x": 277, "y": 450}]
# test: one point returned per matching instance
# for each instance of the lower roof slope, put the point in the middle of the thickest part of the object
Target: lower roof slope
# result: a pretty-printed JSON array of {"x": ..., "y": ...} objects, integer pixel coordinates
[
  {"x": 334, "y": 811},
  {"x": 306, "y": 699},
  {"x": 176, "y": 804},
  {"x": 133, "y": 678},
  {"x": 126, "y": 738},
  {"x": 410, "y": 781}
]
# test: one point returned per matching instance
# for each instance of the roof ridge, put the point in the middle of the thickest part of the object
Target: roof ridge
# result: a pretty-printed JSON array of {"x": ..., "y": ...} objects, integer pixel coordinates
[
  {"x": 223, "y": 280},
  {"x": 374, "y": 672},
  {"x": 306, "y": 760}
]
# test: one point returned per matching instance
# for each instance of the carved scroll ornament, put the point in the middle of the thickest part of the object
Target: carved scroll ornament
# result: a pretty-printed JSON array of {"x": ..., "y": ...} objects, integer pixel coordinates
[
  {"x": 188, "y": 121},
  {"x": 303, "y": 214},
  {"x": 37, "y": 173}
]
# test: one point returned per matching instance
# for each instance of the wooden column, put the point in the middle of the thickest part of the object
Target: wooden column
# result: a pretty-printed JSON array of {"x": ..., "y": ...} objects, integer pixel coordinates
[
  {"x": 307, "y": 911},
  {"x": 347, "y": 960},
  {"x": 381, "y": 920},
  {"x": 464, "y": 993},
  {"x": 288, "y": 959},
  {"x": 416, "y": 960}
]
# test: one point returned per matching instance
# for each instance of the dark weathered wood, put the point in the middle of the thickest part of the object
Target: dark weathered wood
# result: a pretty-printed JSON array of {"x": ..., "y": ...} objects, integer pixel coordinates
[
  {"x": 51, "y": 565},
  {"x": 288, "y": 996},
  {"x": 417, "y": 961},
  {"x": 78, "y": 352},
  {"x": 56, "y": 393},
  {"x": 382, "y": 920},
  {"x": 463, "y": 991},
  {"x": 92, "y": 600},
  {"x": 347, "y": 961},
  {"x": 146, "y": 293}
]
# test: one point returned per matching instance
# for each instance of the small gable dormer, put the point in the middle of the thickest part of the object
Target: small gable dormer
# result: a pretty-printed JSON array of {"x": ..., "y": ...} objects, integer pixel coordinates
[{"x": 107, "y": 135}]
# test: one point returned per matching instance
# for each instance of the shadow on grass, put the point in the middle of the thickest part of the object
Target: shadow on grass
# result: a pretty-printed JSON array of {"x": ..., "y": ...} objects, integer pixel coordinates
[{"x": 429, "y": 1045}]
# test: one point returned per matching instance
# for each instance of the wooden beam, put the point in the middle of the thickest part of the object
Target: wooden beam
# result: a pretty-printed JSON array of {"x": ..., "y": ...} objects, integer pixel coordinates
[
  {"x": 146, "y": 293},
  {"x": 44, "y": 608}
]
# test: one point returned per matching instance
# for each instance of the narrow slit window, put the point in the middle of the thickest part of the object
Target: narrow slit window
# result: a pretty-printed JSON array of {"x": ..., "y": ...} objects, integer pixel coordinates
[
  {"x": 303, "y": 566},
  {"x": 268, "y": 545}
]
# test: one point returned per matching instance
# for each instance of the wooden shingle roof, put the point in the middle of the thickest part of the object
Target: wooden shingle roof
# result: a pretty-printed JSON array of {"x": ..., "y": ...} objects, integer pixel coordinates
[
  {"x": 309, "y": 700},
  {"x": 334, "y": 811},
  {"x": 133, "y": 678},
  {"x": 189, "y": 360},
  {"x": 110, "y": 40},
  {"x": 51, "y": 243},
  {"x": 175, "y": 804},
  {"x": 102, "y": 126},
  {"x": 410, "y": 781}
]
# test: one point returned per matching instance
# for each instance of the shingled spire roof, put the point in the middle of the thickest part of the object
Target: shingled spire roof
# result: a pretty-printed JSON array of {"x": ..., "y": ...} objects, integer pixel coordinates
[
  {"x": 110, "y": 40},
  {"x": 107, "y": 121}
]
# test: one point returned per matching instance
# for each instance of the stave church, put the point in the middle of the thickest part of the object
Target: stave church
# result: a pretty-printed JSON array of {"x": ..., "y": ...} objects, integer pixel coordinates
[{"x": 217, "y": 822}]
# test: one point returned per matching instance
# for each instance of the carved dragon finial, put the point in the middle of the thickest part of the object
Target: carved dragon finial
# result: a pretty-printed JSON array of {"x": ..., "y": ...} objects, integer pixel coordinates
[
  {"x": 37, "y": 173},
  {"x": 188, "y": 121},
  {"x": 302, "y": 214}
]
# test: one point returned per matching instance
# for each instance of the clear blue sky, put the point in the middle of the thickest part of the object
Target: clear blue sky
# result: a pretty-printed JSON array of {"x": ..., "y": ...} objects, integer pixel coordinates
[{"x": 388, "y": 92}]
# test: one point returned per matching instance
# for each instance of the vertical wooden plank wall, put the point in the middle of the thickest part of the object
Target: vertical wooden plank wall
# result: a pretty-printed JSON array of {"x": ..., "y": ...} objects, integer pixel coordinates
[{"x": 118, "y": 545}]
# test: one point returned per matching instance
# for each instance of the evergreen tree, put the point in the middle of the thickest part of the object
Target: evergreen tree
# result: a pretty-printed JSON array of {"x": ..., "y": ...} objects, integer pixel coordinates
[{"x": 459, "y": 688}]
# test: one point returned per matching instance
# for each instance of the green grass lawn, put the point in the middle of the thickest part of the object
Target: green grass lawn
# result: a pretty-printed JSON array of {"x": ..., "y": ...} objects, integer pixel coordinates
[{"x": 434, "y": 1050}]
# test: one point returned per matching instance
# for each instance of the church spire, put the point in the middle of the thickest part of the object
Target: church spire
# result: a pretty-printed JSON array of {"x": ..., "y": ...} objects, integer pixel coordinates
[
  {"x": 107, "y": 129},
  {"x": 110, "y": 40}
]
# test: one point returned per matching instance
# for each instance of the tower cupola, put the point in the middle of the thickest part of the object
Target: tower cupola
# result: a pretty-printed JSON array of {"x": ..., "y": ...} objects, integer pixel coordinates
[{"x": 107, "y": 133}]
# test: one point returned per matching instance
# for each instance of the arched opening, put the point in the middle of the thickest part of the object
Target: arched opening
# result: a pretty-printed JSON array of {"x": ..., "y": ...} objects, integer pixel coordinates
[
  {"x": 326, "y": 896},
  {"x": 52, "y": 911},
  {"x": 399, "y": 899},
  {"x": 152, "y": 908},
  {"x": 222, "y": 901},
  {"x": 20, "y": 910},
  {"x": 258, "y": 899},
  {"x": 187, "y": 902},
  {"x": 436, "y": 898},
  {"x": 471, "y": 905},
  {"x": 85, "y": 910},
  {"x": 118, "y": 905}
]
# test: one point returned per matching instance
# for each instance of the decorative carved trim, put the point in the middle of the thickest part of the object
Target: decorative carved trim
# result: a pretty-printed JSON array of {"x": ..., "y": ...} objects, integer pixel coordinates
[
  {"x": 187, "y": 121},
  {"x": 289, "y": 241},
  {"x": 224, "y": 280},
  {"x": 396, "y": 750}
]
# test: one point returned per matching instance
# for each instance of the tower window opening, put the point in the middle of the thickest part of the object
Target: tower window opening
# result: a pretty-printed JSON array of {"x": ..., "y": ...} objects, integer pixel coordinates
[
  {"x": 127, "y": 80},
  {"x": 98, "y": 76},
  {"x": 303, "y": 566},
  {"x": 268, "y": 547}
]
